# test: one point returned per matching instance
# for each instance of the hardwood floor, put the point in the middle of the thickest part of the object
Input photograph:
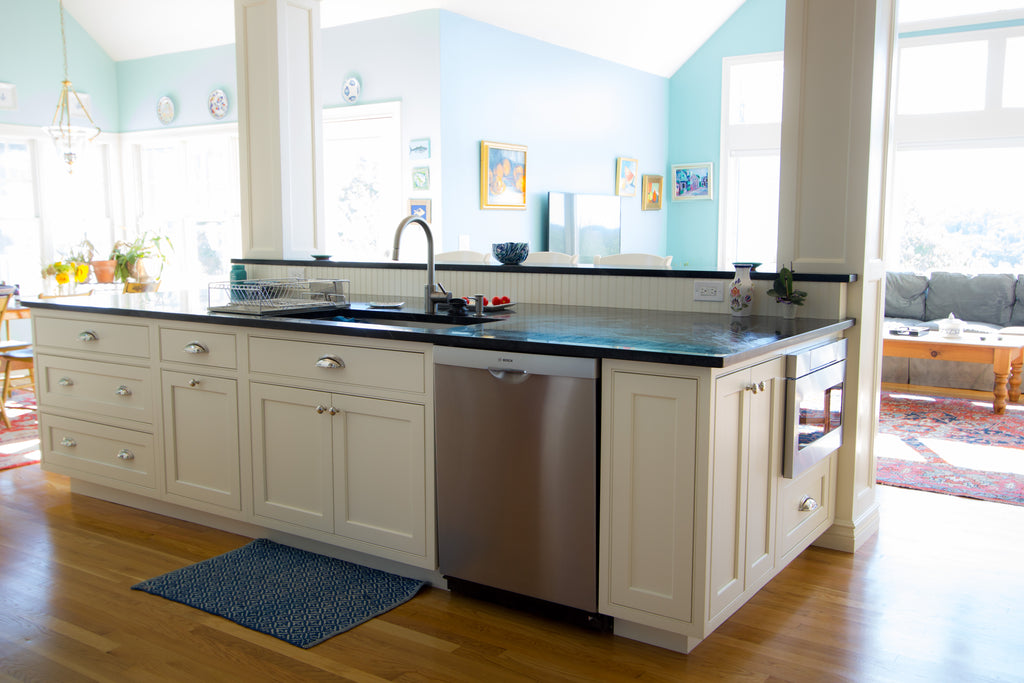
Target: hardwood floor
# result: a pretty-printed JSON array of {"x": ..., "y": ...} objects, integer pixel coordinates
[{"x": 937, "y": 595}]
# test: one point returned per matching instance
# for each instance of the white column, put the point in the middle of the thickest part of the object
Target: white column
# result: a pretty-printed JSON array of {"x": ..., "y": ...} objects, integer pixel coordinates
[
  {"x": 277, "y": 44},
  {"x": 835, "y": 142}
]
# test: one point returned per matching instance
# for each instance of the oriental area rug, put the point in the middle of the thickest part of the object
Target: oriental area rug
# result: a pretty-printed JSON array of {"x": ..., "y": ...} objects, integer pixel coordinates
[
  {"x": 951, "y": 445},
  {"x": 297, "y": 596},
  {"x": 19, "y": 445}
]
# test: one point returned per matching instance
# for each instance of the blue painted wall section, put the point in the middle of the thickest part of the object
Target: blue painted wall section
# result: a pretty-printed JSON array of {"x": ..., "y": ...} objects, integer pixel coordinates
[
  {"x": 695, "y": 123},
  {"x": 31, "y": 59},
  {"x": 575, "y": 114}
]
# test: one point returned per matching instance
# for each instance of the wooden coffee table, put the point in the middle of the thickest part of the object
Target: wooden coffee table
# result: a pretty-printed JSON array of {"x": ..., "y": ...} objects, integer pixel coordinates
[{"x": 1005, "y": 353}]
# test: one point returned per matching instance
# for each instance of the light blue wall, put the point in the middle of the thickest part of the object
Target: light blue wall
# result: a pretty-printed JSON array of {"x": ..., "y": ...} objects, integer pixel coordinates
[
  {"x": 31, "y": 58},
  {"x": 575, "y": 114},
  {"x": 187, "y": 78},
  {"x": 695, "y": 106}
]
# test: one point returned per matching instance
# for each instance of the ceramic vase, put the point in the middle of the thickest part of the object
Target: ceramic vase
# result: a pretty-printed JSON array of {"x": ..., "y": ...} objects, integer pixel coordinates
[
  {"x": 741, "y": 291},
  {"x": 788, "y": 310}
]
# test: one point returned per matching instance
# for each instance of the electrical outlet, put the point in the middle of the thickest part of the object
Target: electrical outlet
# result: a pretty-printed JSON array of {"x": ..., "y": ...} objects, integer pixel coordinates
[{"x": 708, "y": 290}]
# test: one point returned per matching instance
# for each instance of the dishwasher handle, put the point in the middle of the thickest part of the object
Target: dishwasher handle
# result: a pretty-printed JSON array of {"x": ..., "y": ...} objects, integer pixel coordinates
[{"x": 509, "y": 376}]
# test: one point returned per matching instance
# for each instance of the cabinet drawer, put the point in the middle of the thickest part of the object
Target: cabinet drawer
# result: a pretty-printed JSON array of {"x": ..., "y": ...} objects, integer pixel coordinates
[
  {"x": 212, "y": 349},
  {"x": 795, "y": 521},
  {"x": 122, "y": 339},
  {"x": 119, "y": 454},
  {"x": 377, "y": 368},
  {"x": 105, "y": 389}
]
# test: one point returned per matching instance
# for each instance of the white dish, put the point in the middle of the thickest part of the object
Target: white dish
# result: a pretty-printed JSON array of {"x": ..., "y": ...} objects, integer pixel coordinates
[
  {"x": 165, "y": 110},
  {"x": 385, "y": 304},
  {"x": 218, "y": 104}
]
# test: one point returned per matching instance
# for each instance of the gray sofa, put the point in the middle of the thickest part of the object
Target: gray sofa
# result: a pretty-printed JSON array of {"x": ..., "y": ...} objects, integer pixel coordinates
[{"x": 986, "y": 303}]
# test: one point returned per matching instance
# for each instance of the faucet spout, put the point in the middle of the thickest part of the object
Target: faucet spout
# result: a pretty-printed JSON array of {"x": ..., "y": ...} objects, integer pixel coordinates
[{"x": 432, "y": 295}]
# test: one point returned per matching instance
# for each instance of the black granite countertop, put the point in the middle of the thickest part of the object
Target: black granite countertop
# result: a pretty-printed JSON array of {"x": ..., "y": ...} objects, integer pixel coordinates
[{"x": 703, "y": 339}]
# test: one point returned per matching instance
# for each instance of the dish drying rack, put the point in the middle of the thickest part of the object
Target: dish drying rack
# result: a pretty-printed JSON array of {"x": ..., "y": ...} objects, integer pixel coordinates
[{"x": 277, "y": 296}]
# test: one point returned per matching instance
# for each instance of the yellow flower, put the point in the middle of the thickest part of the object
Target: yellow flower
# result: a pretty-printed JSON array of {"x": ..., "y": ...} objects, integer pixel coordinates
[
  {"x": 81, "y": 272},
  {"x": 62, "y": 278}
]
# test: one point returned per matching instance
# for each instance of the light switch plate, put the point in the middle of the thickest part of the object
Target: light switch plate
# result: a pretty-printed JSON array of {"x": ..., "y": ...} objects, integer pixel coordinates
[
  {"x": 8, "y": 96},
  {"x": 708, "y": 290}
]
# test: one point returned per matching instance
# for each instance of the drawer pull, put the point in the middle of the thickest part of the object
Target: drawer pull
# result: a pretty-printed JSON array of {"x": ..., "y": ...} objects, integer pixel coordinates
[
  {"x": 193, "y": 383},
  {"x": 87, "y": 336},
  {"x": 808, "y": 504},
  {"x": 66, "y": 382},
  {"x": 196, "y": 347},
  {"x": 321, "y": 409},
  {"x": 123, "y": 391},
  {"x": 68, "y": 442},
  {"x": 329, "y": 361},
  {"x": 125, "y": 454},
  {"x": 333, "y": 411}
]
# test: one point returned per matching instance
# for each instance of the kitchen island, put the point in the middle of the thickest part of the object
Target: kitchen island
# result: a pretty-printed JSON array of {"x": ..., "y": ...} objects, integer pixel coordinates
[{"x": 320, "y": 433}]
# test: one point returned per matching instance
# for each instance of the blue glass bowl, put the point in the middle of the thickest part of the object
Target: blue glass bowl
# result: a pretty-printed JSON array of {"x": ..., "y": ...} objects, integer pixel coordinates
[{"x": 510, "y": 253}]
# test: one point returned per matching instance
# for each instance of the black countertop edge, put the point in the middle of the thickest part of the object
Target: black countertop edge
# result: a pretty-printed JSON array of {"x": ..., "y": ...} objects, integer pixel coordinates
[
  {"x": 573, "y": 270},
  {"x": 473, "y": 336}
]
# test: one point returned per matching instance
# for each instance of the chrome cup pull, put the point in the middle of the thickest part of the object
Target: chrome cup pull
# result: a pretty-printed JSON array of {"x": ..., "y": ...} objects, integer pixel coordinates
[
  {"x": 68, "y": 442},
  {"x": 87, "y": 336},
  {"x": 123, "y": 391},
  {"x": 125, "y": 454},
  {"x": 808, "y": 504},
  {"x": 66, "y": 382},
  {"x": 193, "y": 383},
  {"x": 196, "y": 347},
  {"x": 329, "y": 361}
]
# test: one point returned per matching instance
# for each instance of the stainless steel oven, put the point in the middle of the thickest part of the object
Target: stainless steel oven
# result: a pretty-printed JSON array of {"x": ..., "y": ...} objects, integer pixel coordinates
[{"x": 815, "y": 378}]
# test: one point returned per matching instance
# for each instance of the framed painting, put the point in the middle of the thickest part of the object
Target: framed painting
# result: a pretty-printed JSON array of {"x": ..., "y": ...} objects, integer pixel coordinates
[
  {"x": 502, "y": 176},
  {"x": 419, "y": 149},
  {"x": 625, "y": 177},
  {"x": 692, "y": 181},
  {"x": 421, "y": 178},
  {"x": 420, "y": 208},
  {"x": 651, "y": 193}
]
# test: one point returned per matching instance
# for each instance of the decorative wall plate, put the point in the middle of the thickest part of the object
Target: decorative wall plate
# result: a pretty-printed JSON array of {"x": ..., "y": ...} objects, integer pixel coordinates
[
  {"x": 218, "y": 104},
  {"x": 165, "y": 110},
  {"x": 350, "y": 90}
]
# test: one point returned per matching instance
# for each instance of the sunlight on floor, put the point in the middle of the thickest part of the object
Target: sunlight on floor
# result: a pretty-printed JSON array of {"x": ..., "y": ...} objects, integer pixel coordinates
[
  {"x": 977, "y": 456},
  {"x": 890, "y": 446},
  {"x": 19, "y": 447}
]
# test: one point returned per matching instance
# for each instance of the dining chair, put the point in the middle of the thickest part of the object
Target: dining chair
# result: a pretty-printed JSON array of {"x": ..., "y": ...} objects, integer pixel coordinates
[
  {"x": 633, "y": 261},
  {"x": 551, "y": 258},
  {"x": 64, "y": 296},
  {"x": 462, "y": 256},
  {"x": 8, "y": 344},
  {"x": 13, "y": 361}
]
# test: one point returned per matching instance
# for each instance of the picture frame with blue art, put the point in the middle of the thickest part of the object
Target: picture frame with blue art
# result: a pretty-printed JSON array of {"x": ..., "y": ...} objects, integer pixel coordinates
[
  {"x": 692, "y": 181},
  {"x": 420, "y": 208}
]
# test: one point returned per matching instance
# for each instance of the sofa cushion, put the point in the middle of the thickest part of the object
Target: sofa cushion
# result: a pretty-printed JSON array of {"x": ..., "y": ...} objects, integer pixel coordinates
[
  {"x": 982, "y": 298},
  {"x": 1017, "y": 317},
  {"x": 904, "y": 295}
]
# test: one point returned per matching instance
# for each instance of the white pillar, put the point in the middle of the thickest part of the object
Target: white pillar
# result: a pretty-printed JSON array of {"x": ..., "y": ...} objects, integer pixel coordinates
[
  {"x": 835, "y": 142},
  {"x": 277, "y": 45}
]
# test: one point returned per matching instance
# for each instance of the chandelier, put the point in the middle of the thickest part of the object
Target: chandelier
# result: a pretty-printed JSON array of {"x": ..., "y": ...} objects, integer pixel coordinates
[{"x": 69, "y": 140}]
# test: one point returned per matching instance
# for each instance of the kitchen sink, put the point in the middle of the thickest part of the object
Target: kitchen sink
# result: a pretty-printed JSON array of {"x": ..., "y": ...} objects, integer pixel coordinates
[{"x": 411, "y": 319}]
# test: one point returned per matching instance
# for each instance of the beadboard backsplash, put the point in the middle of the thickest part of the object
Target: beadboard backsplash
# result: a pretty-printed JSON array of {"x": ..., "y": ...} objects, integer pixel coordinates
[{"x": 825, "y": 300}]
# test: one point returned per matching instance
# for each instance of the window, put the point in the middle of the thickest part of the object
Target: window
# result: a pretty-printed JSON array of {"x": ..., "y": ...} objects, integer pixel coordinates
[{"x": 749, "y": 167}]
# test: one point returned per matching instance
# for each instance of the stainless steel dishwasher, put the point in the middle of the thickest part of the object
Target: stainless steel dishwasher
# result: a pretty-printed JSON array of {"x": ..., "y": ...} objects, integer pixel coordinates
[{"x": 516, "y": 466}]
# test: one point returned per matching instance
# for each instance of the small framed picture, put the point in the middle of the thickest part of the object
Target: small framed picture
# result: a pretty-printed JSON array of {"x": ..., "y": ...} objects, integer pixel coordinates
[
  {"x": 651, "y": 193},
  {"x": 692, "y": 181},
  {"x": 420, "y": 208},
  {"x": 421, "y": 178},
  {"x": 625, "y": 177},
  {"x": 419, "y": 149},
  {"x": 502, "y": 176}
]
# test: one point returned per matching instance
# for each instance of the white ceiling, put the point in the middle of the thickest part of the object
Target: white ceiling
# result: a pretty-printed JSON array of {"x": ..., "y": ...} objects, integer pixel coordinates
[{"x": 656, "y": 36}]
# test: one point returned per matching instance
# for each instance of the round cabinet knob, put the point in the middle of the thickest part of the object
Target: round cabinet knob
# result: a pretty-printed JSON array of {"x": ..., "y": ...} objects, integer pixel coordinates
[
  {"x": 68, "y": 442},
  {"x": 321, "y": 409},
  {"x": 123, "y": 391},
  {"x": 752, "y": 388},
  {"x": 125, "y": 454},
  {"x": 87, "y": 336},
  {"x": 808, "y": 504},
  {"x": 329, "y": 361},
  {"x": 761, "y": 386},
  {"x": 66, "y": 382},
  {"x": 333, "y": 411},
  {"x": 196, "y": 347},
  {"x": 193, "y": 383}
]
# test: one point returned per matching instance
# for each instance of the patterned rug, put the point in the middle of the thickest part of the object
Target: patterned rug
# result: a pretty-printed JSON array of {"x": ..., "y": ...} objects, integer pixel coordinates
[
  {"x": 19, "y": 445},
  {"x": 953, "y": 446},
  {"x": 297, "y": 596}
]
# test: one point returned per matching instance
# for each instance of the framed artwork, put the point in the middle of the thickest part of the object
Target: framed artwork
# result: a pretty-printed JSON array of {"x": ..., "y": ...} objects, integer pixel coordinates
[
  {"x": 421, "y": 178},
  {"x": 420, "y": 208},
  {"x": 419, "y": 149},
  {"x": 651, "y": 193},
  {"x": 692, "y": 181},
  {"x": 625, "y": 177},
  {"x": 502, "y": 176}
]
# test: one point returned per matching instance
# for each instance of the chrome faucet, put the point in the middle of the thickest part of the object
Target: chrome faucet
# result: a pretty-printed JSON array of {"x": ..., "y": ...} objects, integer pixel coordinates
[{"x": 433, "y": 294}]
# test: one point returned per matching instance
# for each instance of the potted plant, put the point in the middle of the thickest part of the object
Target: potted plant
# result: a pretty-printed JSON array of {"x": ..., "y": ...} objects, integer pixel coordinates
[
  {"x": 130, "y": 257},
  {"x": 784, "y": 293}
]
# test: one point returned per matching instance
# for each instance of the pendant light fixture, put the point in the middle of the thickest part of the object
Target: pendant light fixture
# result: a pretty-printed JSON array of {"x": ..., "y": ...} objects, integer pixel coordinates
[{"x": 69, "y": 139}]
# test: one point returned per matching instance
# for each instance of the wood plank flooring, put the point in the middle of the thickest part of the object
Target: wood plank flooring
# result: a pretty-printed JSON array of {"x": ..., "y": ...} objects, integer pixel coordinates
[{"x": 936, "y": 596}]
